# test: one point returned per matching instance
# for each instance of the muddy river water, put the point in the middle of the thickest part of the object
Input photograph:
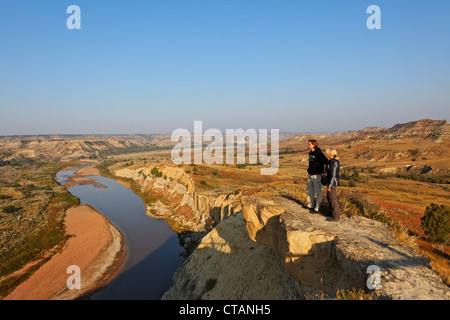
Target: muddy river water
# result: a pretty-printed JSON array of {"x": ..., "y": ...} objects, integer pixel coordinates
[{"x": 153, "y": 249}]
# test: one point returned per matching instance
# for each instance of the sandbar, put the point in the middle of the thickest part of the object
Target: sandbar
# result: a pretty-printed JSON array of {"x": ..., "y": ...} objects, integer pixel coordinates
[
  {"x": 87, "y": 171},
  {"x": 97, "y": 247}
]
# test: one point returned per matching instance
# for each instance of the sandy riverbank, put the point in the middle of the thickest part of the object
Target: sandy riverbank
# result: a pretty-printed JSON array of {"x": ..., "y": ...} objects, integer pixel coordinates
[
  {"x": 87, "y": 171},
  {"x": 97, "y": 248}
]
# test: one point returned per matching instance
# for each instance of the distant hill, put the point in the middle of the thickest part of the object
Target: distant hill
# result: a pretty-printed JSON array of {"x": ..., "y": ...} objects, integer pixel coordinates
[
  {"x": 425, "y": 129},
  {"x": 420, "y": 131},
  {"x": 57, "y": 147}
]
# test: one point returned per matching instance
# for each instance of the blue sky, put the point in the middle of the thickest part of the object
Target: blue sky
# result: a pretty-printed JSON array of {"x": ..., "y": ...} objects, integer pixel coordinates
[{"x": 154, "y": 66}]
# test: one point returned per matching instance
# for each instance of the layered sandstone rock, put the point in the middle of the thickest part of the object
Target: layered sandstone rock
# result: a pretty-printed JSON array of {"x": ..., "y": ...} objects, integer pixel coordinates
[
  {"x": 331, "y": 255},
  {"x": 228, "y": 265},
  {"x": 188, "y": 209}
]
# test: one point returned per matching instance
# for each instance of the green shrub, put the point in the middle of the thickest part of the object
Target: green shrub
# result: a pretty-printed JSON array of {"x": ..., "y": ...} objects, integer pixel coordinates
[
  {"x": 10, "y": 209},
  {"x": 436, "y": 223},
  {"x": 103, "y": 168},
  {"x": 210, "y": 284},
  {"x": 154, "y": 171}
]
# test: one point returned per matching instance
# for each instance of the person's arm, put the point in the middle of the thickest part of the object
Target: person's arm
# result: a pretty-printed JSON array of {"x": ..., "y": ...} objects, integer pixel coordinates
[
  {"x": 333, "y": 177},
  {"x": 323, "y": 159}
]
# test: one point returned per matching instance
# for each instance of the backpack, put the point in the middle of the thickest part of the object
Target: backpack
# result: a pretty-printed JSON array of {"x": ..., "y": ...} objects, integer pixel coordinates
[{"x": 324, "y": 180}]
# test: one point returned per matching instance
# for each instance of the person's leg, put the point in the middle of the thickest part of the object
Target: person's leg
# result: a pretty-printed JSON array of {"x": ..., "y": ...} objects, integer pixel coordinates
[
  {"x": 310, "y": 193},
  {"x": 318, "y": 192},
  {"x": 330, "y": 205},
  {"x": 335, "y": 203}
]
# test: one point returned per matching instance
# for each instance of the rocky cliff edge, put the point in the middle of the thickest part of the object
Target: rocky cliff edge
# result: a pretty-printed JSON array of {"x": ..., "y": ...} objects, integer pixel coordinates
[{"x": 324, "y": 255}]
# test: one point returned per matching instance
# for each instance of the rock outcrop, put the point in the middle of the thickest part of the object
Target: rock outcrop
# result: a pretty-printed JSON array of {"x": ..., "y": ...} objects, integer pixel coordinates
[
  {"x": 317, "y": 252},
  {"x": 228, "y": 265}
]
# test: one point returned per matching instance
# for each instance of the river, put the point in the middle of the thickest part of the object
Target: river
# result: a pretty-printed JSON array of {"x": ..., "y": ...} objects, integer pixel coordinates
[{"x": 153, "y": 249}]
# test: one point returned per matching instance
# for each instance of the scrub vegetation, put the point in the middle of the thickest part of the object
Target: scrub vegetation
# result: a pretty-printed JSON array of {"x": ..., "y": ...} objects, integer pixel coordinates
[{"x": 31, "y": 220}]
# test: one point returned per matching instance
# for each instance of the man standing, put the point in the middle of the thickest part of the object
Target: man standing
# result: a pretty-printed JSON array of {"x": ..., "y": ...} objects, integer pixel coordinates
[{"x": 317, "y": 163}]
